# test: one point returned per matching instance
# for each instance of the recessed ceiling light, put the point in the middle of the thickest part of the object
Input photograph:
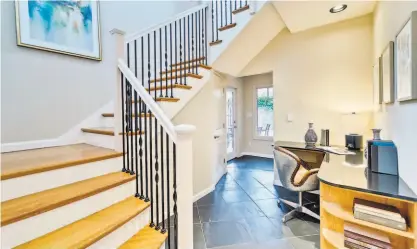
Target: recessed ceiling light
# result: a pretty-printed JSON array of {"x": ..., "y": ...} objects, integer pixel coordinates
[{"x": 338, "y": 8}]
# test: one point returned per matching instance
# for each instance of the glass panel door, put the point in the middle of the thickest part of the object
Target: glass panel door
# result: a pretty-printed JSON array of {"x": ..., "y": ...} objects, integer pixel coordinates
[{"x": 231, "y": 123}]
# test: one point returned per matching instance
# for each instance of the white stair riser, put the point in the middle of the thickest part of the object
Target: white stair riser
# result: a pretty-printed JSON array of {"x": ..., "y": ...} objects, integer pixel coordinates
[
  {"x": 100, "y": 140},
  {"x": 29, "y": 184},
  {"x": 123, "y": 233},
  {"x": 28, "y": 229}
]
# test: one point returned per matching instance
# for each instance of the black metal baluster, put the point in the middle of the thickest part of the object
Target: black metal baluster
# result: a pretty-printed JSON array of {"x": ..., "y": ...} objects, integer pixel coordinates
[
  {"x": 189, "y": 45},
  {"x": 225, "y": 11},
  {"x": 197, "y": 40},
  {"x": 126, "y": 115},
  {"x": 147, "y": 113},
  {"x": 174, "y": 150},
  {"x": 126, "y": 134},
  {"x": 221, "y": 13},
  {"x": 168, "y": 194},
  {"x": 166, "y": 58},
  {"x": 157, "y": 227},
  {"x": 163, "y": 230},
  {"x": 205, "y": 26},
  {"x": 132, "y": 158},
  {"x": 184, "y": 74},
  {"x": 154, "y": 58},
  {"x": 160, "y": 62},
  {"x": 122, "y": 82},
  {"x": 231, "y": 12},
  {"x": 240, "y": 3},
  {"x": 170, "y": 57},
  {"x": 176, "y": 61},
  {"x": 217, "y": 22},
  {"x": 212, "y": 21},
  {"x": 140, "y": 124},
  {"x": 151, "y": 169},
  {"x": 180, "y": 54},
  {"x": 136, "y": 122},
  {"x": 192, "y": 44}
]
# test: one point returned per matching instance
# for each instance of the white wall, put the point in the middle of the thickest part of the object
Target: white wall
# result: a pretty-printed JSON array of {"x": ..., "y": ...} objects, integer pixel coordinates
[
  {"x": 202, "y": 112},
  {"x": 44, "y": 94},
  {"x": 399, "y": 120},
  {"x": 249, "y": 143},
  {"x": 318, "y": 76}
]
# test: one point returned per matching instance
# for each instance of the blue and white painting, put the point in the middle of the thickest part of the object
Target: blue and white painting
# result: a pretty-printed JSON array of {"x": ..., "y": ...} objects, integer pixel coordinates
[{"x": 70, "y": 27}]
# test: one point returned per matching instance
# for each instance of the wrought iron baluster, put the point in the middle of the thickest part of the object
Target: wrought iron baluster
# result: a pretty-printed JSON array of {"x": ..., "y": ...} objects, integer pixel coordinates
[
  {"x": 163, "y": 230},
  {"x": 122, "y": 82},
  {"x": 157, "y": 227},
  {"x": 170, "y": 57},
  {"x": 175, "y": 195},
  {"x": 160, "y": 63},
  {"x": 126, "y": 115}
]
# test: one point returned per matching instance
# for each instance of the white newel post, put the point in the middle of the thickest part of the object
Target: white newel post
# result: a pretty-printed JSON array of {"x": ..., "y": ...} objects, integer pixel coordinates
[
  {"x": 119, "y": 36},
  {"x": 184, "y": 152}
]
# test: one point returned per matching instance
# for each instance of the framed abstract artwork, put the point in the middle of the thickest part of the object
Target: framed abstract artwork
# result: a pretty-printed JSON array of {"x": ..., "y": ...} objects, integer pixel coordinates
[
  {"x": 406, "y": 57},
  {"x": 67, "y": 27},
  {"x": 377, "y": 83},
  {"x": 387, "y": 75}
]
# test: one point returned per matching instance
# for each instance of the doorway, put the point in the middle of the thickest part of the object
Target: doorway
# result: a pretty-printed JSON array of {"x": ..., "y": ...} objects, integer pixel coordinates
[{"x": 231, "y": 123}]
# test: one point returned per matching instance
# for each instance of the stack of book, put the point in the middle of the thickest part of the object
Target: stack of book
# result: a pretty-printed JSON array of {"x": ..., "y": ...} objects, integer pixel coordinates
[
  {"x": 357, "y": 237},
  {"x": 377, "y": 213}
]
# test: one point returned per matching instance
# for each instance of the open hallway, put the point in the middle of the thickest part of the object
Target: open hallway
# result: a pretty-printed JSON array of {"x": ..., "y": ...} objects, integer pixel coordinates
[{"x": 242, "y": 212}]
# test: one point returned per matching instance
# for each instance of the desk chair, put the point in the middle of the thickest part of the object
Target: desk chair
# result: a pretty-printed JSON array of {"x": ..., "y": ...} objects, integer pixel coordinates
[{"x": 295, "y": 175}]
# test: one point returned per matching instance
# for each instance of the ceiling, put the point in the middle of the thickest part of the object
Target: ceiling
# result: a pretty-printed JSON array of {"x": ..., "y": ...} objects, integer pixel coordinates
[{"x": 303, "y": 15}]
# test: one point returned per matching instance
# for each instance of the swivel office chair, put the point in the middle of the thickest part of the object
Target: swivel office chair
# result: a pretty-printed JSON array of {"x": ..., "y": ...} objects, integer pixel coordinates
[{"x": 295, "y": 175}]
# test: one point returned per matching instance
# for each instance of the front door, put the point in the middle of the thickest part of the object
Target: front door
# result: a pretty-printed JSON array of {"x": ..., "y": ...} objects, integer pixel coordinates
[{"x": 231, "y": 123}]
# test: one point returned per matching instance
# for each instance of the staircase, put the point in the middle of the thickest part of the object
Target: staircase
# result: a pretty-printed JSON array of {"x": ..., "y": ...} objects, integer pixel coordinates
[{"x": 128, "y": 182}]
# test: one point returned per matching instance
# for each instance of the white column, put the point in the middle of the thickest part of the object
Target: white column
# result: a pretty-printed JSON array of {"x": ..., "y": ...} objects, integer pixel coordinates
[
  {"x": 184, "y": 150},
  {"x": 120, "y": 53}
]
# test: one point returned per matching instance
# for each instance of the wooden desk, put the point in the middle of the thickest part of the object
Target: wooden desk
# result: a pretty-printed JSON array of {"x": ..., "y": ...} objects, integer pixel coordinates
[{"x": 345, "y": 177}]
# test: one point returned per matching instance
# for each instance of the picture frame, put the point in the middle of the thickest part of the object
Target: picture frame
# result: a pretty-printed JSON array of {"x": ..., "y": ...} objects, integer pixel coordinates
[
  {"x": 66, "y": 27},
  {"x": 405, "y": 59},
  {"x": 387, "y": 73},
  {"x": 377, "y": 87}
]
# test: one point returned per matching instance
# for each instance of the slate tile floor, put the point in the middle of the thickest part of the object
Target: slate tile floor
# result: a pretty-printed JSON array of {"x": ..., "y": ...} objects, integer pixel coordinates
[{"x": 242, "y": 212}]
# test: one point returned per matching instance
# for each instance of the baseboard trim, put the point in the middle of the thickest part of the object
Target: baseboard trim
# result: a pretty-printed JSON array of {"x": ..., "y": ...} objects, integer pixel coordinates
[
  {"x": 203, "y": 193},
  {"x": 257, "y": 154},
  {"x": 29, "y": 145}
]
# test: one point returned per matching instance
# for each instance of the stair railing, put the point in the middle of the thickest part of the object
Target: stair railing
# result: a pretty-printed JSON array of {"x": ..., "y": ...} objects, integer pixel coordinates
[
  {"x": 165, "y": 56},
  {"x": 150, "y": 65},
  {"x": 158, "y": 153},
  {"x": 222, "y": 15}
]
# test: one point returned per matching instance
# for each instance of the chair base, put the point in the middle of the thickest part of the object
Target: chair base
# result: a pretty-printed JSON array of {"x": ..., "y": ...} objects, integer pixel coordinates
[{"x": 298, "y": 207}]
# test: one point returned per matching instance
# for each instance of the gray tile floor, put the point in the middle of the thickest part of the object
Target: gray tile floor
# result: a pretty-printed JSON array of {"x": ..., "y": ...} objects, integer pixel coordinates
[{"x": 242, "y": 212}]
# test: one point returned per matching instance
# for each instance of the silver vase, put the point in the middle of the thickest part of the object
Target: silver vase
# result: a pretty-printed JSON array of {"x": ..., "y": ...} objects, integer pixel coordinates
[
  {"x": 310, "y": 136},
  {"x": 377, "y": 134}
]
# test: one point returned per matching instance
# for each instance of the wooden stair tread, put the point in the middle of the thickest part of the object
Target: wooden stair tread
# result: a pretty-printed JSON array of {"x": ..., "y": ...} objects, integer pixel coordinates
[
  {"x": 186, "y": 62},
  {"x": 108, "y": 131},
  {"x": 27, "y": 206},
  {"x": 241, "y": 9},
  {"x": 146, "y": 238},
  {"x": 177, "y": 77},
  {"x": 169, "y": 87},
  {"x": 90, "y": 229},
  {"x": 178, "y": 69},
  {"x": 215, "y": 42},
  {"x": 164, "y": 99},
  {"x": 21, "y": 163},
  {"x": 229, "y": 26},
  {"x": 110, "y": 115}
]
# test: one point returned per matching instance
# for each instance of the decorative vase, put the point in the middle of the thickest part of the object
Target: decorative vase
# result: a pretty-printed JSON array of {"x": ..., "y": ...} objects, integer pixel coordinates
[
  {"x": 377, "y": 134},
  {"x": 310, "y": 136}
]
